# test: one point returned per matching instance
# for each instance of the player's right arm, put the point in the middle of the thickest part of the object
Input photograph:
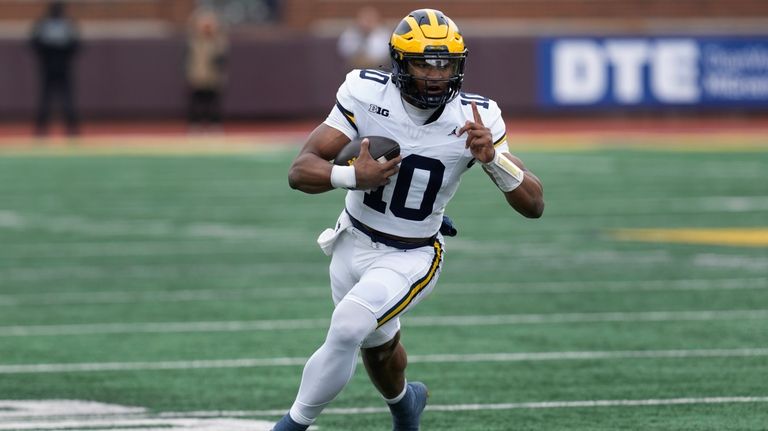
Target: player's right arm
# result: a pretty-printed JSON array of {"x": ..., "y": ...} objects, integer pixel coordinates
[{"x": 310, "y": 171}]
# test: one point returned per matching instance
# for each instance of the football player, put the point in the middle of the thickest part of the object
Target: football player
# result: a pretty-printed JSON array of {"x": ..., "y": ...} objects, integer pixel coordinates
[{"x": 387, "y": 250}]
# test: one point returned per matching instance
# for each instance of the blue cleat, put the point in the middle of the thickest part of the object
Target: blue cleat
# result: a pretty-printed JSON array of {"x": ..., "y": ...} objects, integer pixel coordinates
[
  {"x": 288, "y": 424},
  {"x": 406, "y": 414}
]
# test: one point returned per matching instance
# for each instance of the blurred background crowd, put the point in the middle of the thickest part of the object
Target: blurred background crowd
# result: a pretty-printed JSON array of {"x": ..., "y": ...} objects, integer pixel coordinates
[{"x": 242, "y": 60}]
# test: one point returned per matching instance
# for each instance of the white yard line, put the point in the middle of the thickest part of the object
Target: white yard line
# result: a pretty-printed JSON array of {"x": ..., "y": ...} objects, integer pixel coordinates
[
  {"x": 150, "y": 227},
  {"x": 164, "y": 327},
  {"x": 247, "y": 270},
  {"x": 641, "y": 316},
  {"x": 254, "y": 269},
  {"x": 18, "y": 422},
  {"x": 553, "y": 405},
  {"x": 137, "y": 424},
  {"x": 449, "y": 288},
  {"x": 424, "y": 321},
  {"x": 37, "y": 408},
  {"x": 430, "y": 359},
  {"x": 155, "y": 296}
]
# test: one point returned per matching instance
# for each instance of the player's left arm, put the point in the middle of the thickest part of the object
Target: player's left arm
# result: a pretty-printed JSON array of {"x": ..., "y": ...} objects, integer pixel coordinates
[
  {"x": 522, "y": 189},
  {"x": 528, "y": 197}
]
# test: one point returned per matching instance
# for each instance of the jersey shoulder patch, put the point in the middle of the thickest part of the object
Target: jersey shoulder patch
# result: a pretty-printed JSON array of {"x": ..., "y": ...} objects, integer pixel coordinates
[
  {"x": 489, "y": 112},
  {"x": 487, "y": 107},
  {"x": 367, "y": 85}
]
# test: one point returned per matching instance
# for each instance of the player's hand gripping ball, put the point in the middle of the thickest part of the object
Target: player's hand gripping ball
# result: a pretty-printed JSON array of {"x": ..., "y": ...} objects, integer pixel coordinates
[{"x": 380, "y": 148}]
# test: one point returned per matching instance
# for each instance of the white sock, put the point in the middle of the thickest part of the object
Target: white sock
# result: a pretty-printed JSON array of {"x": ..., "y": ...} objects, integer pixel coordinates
[{"x": 397, "y": 399}]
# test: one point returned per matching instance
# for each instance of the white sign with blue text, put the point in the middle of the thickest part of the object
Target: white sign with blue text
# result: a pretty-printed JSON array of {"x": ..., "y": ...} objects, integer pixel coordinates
[{"x": 676, "y": 71}]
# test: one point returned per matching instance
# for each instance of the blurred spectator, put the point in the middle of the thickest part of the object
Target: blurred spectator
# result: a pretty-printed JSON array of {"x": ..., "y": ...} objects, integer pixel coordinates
[
  {"x": 206, "y": 58},
  {"x": 55, "y": 40},
  {"x": 366, "y": 44}
]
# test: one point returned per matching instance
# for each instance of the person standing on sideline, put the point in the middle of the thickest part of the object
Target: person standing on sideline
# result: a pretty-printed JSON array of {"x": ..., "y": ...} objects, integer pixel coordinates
[
  {"x": 364, "y": 45},
  {"x": 387, "y": 247},
  {"x": 55, "y": 41},
  {"x": 205, "y": 70}
]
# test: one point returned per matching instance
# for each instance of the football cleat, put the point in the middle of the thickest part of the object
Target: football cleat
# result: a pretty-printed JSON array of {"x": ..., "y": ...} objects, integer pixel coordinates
[
  {"x": 288, "y": 424},
  {"x": 406, "y": 414}
]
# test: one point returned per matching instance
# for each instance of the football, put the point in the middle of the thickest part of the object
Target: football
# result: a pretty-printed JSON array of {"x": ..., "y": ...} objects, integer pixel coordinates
[{"x": 381, "y": 149}]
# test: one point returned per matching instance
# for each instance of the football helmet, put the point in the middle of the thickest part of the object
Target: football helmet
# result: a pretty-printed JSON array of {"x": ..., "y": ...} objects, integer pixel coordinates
[{"x": 424, "y": 39}]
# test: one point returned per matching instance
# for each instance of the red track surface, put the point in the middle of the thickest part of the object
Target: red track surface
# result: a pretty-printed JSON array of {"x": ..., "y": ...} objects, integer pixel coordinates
[{"x": 707, "y": 125}]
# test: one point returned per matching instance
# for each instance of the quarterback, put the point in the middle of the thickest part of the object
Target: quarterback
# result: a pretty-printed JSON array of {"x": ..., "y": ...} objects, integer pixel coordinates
[{"x": 387, "y": 247}]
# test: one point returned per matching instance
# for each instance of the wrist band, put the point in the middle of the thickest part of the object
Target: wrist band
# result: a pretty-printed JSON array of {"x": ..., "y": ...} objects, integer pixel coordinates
[
  {"x": 504, "y": 172},
  {"x": 343, "y": 177}
]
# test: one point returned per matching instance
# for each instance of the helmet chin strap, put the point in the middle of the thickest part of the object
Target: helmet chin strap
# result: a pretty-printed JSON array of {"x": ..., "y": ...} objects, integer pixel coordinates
[{"x": 409, "y": 89}]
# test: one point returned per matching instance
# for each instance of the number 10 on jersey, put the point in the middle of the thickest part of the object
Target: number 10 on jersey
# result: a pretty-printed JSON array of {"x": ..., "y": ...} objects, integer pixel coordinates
[{"x": 375, "y": 198}]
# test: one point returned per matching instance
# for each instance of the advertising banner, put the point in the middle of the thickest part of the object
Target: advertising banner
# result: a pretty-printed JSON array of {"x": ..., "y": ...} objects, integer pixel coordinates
[{"x": 653, "y": 71}]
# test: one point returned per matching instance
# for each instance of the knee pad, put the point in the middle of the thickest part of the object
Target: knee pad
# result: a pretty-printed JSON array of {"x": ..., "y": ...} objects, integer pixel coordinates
[{"x": 351, "y": 323}]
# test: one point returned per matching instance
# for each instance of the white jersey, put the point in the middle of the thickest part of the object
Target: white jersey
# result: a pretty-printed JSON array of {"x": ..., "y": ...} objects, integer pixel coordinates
[{"x": 433, "y": 156}]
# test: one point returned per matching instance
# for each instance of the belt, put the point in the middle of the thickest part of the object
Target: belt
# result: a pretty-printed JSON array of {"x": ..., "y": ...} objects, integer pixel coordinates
[{"x": 391, "y": 240}]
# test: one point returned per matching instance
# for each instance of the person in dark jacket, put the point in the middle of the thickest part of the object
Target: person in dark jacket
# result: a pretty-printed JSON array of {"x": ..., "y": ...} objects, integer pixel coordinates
[{"x": 55, "y": 41}]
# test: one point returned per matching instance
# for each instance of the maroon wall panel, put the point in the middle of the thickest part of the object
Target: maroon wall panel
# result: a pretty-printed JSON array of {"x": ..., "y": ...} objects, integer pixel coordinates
[{"x": 290, "y": 77}]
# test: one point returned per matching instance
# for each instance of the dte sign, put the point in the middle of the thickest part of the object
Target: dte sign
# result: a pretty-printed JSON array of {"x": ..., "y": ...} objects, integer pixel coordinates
[{"x": 624, "y": 71}]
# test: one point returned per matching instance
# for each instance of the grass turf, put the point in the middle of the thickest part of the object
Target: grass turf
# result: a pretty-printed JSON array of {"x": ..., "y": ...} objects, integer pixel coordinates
[{"x": 218, "y": 238}]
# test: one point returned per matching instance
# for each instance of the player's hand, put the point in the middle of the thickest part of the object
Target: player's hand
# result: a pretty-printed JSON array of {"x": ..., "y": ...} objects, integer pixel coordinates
[
  {"x": 479, "y": 138},
  {"x": 369, "y": 173}
]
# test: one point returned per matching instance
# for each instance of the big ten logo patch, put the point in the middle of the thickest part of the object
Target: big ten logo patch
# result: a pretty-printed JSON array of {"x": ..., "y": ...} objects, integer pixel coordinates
[{"x": 379, "y": 110}]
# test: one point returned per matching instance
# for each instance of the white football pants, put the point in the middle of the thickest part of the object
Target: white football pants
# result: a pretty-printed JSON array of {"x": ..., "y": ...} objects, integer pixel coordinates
[{"x": 372, "y": 285}]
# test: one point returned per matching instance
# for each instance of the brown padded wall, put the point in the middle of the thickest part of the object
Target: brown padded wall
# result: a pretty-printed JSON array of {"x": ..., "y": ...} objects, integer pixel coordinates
[
  {"x": 170, "y": 11},
  {"x": 289, "y": 77},
  {"x": 302, "y": 13}
]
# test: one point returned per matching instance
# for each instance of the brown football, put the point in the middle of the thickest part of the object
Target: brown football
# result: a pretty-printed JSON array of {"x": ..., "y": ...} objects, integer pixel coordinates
[{"x": 381, "y": 149}]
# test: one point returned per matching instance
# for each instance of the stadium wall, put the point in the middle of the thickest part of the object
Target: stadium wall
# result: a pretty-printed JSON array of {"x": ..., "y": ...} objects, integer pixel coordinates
[
  {"x": 296, "y": 75},
  {"x": 291, "y": 77},
  {"x": 303, "y": 14}
]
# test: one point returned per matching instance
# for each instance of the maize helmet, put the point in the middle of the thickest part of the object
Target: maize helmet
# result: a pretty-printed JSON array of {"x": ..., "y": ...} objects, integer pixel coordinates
[{"x": 428, "y": 39}]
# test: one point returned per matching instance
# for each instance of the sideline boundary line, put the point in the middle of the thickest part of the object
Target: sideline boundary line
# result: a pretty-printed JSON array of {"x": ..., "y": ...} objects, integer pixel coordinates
[
  {"x": 415, "y": 321},
  {"x": 431, "y": 407},
  {"x": 522, "y": 405},
  {"x": 448, "y": 288},
  {"x": 431, "y": 359}
]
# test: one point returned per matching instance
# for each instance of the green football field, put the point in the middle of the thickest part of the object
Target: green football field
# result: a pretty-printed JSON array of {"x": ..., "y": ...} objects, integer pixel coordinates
[{"x": 185, "y": 291}]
